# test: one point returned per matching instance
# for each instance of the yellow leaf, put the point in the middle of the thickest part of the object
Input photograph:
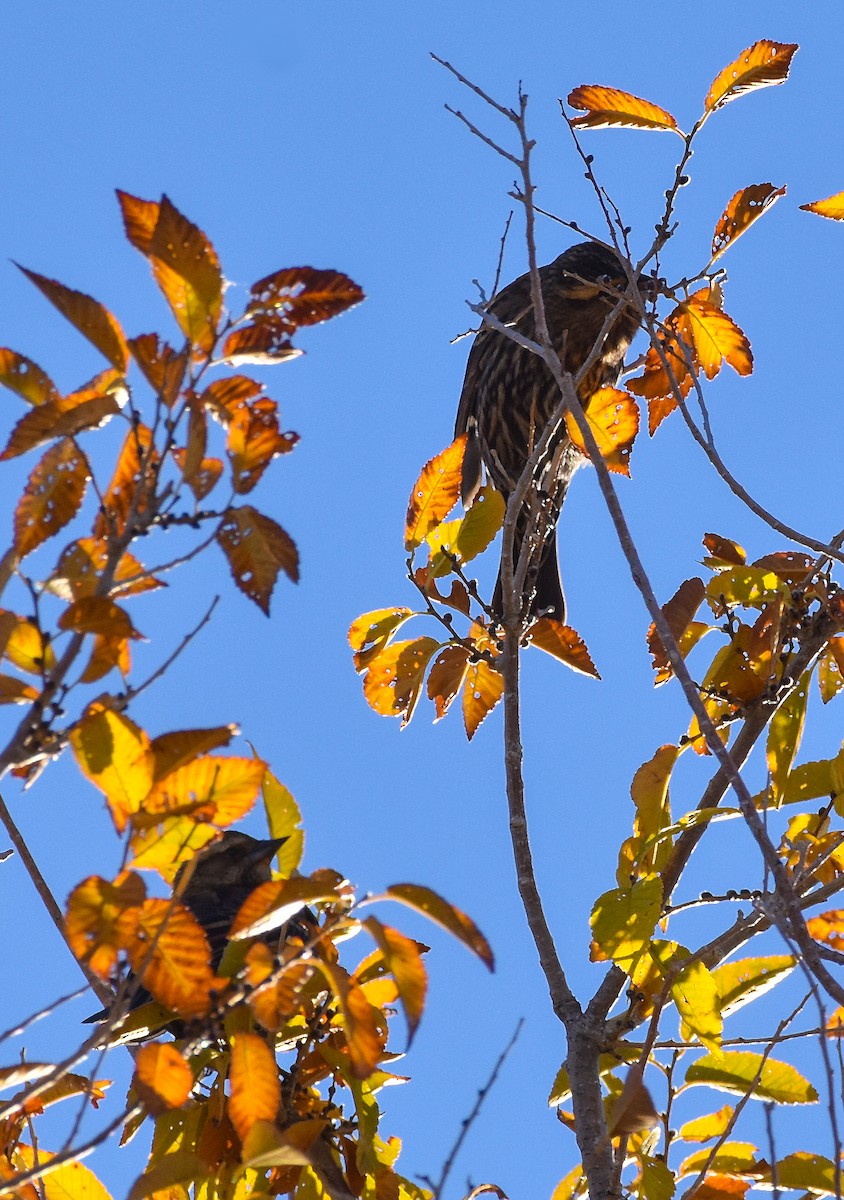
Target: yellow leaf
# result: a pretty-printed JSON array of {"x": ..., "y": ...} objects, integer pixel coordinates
[
  {"x": 563, "y": 643},
  {"x": 370, "y": 633},
  {"x": 257, "y": 548},
  {"x": 614, "y": 420},
  {"x": 98, "y": 614},
  {"x": 255, "y": 1085},
  {"x": 482, "y": 689},
  {"x": 832, "y": 207},
  {"x": 731, "y": 1159},
  {"x": 465, "y": 539},
  {"x": 393, "y": 680},
  {"x": 284, "y": 820},
  {"x": 435, "y": 493},
  {"x": 210, "y": 788},
  {"x": 114, "y": 753},
  {"x": 716, "y": 337},
  {"x": 93, "y": 909},
  {"x": 404, "y": 962},
  {"x": 746, "y": 206},
  {"x": 65, "y": 1181},
  {"x": 735, "y": 1071},
  {"x": 763, "y": 64},
  {"x": 426, "y": 901},
  {"x": 606, "y": 106},
  {"x": 695, "y": 993},
  {"x": 21, "y": 375},
  {"x": 623, "y": 920},
  {"x": 742, "y": 981},
  {"x": 52, "y": 496},
  {"x": 703, "y": 1129},
  {"x": 26, "y": 647},
  {"x": 172, "y": 750},
  {"x": 785, "y": 733},
  {"x": 162, "y": 1079},
  {"x": 752, "y": 587}
]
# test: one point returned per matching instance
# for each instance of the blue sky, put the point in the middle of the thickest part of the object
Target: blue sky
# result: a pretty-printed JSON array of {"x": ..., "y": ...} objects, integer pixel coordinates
[{"x": 317, "y": 134}]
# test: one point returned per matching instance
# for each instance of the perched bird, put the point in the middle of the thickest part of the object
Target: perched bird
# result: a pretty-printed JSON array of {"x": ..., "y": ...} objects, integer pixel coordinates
[
  {"x": 213, "y": 885},
  {"x": 509, "y": 393}
]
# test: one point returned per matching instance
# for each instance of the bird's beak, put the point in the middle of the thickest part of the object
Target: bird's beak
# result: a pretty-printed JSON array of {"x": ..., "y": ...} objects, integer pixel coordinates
[{"x": 264, "y": 849}]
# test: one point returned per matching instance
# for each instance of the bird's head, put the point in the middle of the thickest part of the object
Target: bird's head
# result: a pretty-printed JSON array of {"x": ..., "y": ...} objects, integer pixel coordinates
[
  {"x": 234, "y": 860},
  {"x": 593, "y": 270}
]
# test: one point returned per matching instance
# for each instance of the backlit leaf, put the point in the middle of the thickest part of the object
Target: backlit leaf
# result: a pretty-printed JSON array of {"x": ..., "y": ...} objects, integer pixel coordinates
[
  {"x": 163, "y": 367},
  {"x": 742, "y": 981},
  {"x": 93, "y": 909},
  {"x": 66, "y": 1181},
  {"x": 55, "y": 419},
  {"x": 703, "y": 1129},
  {"x": 255, "y": 1085},
  {"x": 748, "y": 204},
  {"x": 254, "y": 440},
  {"x": 114, "y": 753},
  {"x": 751, "y": 587},
  {"x": 763, "y": 64},
  {"x": 483, "y": 687},
  {"x": 25, "y": 645},
  {"x": 563, "y": 643},
  {"x": 210, "y": 788},
  {"x": 284, "y": 820},
  {"x": 695, "y": 993},
  {"x": 15, "y": 691},
  {"x": 464, "y": 539},
  {"x": 435, "y": 493},
  {"x": 785, "y": 733},
  {"x": 169, "y": 951},
  {"x": 446, "y": 677},
  {"x": 371, "y": 632},
  {"x": 173, "y": 750},
  {"x": 404, "y": 962},
  {"x": 678, "y": 612},
  {"x": 276, "y": 998},
  {"x": 106, "y": 654},
  {"x": 305, "y": 295},
  {"x": 723, "y": 552},
  {"x": 201, "y": 478},
  {"x": 623, "y": 920},
  {"x": 257, "y": 549},
  {"x": 272, "y": 904},
  {"x": 735, "y": 1071},
  {"x": 831, "y": 669},
  {"x": 80, "y": 568},
  {"x": 21, "y": 375},
  {"x": 131, "y": 484},
  {"x": 731, "y": 1158},
  {"x": 52, "y": 497},
  {"x": 426, "y": 901},
  {"x": 832, "y": 207},
  {"x": 187, "y": 270},
  {"x": 605, "y": 106},
  {"x": 263, "y": 344},
  {"x": 162, "y": 1078},
  {"x": 394, "y": 678},
  {"x": 614, "y": 420},
  {"x": 363, "y": 1040},
  {"x": 716, "y": 337},
  {"x": 806, "y": 1172},
  {"x": 828, "y": 927},
  {"x": 227, "y": 396},
  {"x": 90, "y": 317},
  {"x": 98, "y": 614},
  {"x": 139, "y": 219}
]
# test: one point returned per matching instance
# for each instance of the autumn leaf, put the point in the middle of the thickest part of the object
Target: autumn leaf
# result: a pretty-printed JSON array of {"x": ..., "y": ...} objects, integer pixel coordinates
[
  {"x": 285, "y": 821},
  {"x": 446, "y": 677},
  {"x": 131, "y": 485},
  {"x": 614, "y": 420},
  {"x": 169, "y": 953},
  {"x": 832, "y": 207},
  {"x": 363, "y": 1040},
  {"x": 93, "y": 909},
  {"x": 393, "y": 679},
  {"x": 730, "y": 1159},
  {"x": 716, "y": 337},
  {"x": 15, "y": 691},
  {"x": 56, "y": 419},
  {"x": 80, "y": 568},
  {"x": 162, "y": 1079},
  {"x": 173, "y": 750},
  {"x": 432, "y": 905},
  {"x": 98, "y": 614},
  {"x": 24, "y": 377},
  {"x": 735, "y": 1071},
  {"x": 404, "y": 962},
  {"x": 785, "y": 733},
  {"x": 254, "y": 440},
  {"x": 765, "y": 63},
  {"x": 623, "y": 920},
  {"x": 703, "y": 1129},
  {"x": 435, "y": 492},
  {"x": 604, "y": 106},
  {"x": 831, "y": 669},
  {"x": 114, "y": 753},
  {"x": 254, "y": 1082},
  {"x": 465, "y": 539},
  {"x": 25, "y": 645},
  {"x": 563, "y": 643},
  {"x": 272, "y": 904},
  {"x": 257, "y": 549},
  {"x": 696, "y": 995},
  {"x": 90, "y": 317},
  {"x": 746, "y": 206},
  {"x": 228, "y": 396},
  {"x": 678, "y": 612},
  {"x": 304, "y": 295},
  {"x": 634, "y": 1109},
  {"x": 210, "y": 788},
  {"x": 139, "y": 219},
  {"x": 483, "y": 687},
  {"x": 263, "y": 344},
  {"x": 370, "y": 633},
  {"x": 744, "y": 980},
  {"x": 723, "y": 552},
  {"x": 52, "y": 496},
  {"x": 162, "y": 366}
]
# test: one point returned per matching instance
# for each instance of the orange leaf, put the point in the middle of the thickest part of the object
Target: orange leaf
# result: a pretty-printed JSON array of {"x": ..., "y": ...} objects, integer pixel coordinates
[
  {"x": 274, "y": 1003},
  {"x": 213, "y": 789},
  {"x": 716, "y": 337},
  {"x": 765, "y": 63},
  {"x": 370, "y": 633},
  {"x": 564, "y": 643},
  {"x": 610, "y": 106},
  {"x": 723, "y": 551},
  {"x": 139, "y": 219},
  {"x": 257, "y": 549},
  {"x": 404, "y": 962},
  {"x": 614, "y": 420},
  {"x": 172, "y": 750},
  {"x": 98, "y": 614},
  {"x": 447, "y": 676},
  {"x": 52, "y": 496},
  {"x": 93, "y": 908},
  {"x": 678, "y": 612},
  {"x": 435, "y": 492},
  {"x": 169, "y": 952},
  {"x": 81, "y": 564},
  {"x": 106, "y": 654},
  {"x": 54, "y": 420},
  {"x": 163, "y": 1079},
  {"x": 254, "y": 440},
  {"x": 131, "y": 483},
  {"x": 162, "y": 366},
  {"x": 255, "y": 1086},
  {"x": 204, "y": 477},
  {"x": 20, "y": 374},
  {"x": 226, "y": 397},
  {"x": 746, "y": 206},
  {"x": 832, "y": 207},
  {"x": 186, "y": 268},
  {"x": 363, "y": 1040},
  {"x": 394, "y": 677},
  {"x": 263, "y": 344},
  {"x": 304, "y": 295},
  {"x": 114, "y": 753},
  {"x": 90, "y": 317},
  {"x": 272, "y": 904},
  {"x": 483, "y": 688},
  {"x": 437, "y": 909}
]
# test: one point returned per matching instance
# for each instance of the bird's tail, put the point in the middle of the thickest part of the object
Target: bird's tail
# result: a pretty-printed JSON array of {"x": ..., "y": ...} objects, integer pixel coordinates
[{"x": 548, "y": 599}]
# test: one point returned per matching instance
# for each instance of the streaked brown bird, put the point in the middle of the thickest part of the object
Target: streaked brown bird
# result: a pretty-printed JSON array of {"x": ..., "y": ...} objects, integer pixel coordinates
[
  {"x": 213, "y": 885},
  {"x": 509, "y": 393}
]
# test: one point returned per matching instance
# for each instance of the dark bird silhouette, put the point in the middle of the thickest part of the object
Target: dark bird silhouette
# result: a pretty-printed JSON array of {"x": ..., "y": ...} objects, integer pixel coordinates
[
  {"x": 509, "y": 393},
  {"x": 214, "y": 885}
]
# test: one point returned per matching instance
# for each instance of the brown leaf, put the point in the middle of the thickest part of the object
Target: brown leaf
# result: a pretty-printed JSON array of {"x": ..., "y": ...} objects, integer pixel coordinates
[
  {"x": 187, "y": 270},
  {"x": 98, "y": 614},
  {"x": 723, "y": 551},
  {"x": 139, "y": 219},
  {"x": 169, "y": 951},
  {"x": 614, "y": 420},
  {"x": 254, "y": 440},
  {"x": 765, "y": 63},
  {"x": 226, "y": 397},
  {"x": 446, "y": 677},
  {"x": 15, "y": 691},
  {"x": 605, "y": 106},
  {"x": 304, "y": 295},
  {"x": 832, "y": 207},
  {"x": 634, "y": 1109},
  {"x": 746, "y": 206},
  {"x": 678, "y": 612},
  {"x": 162, "y": 366},
  {"x": 90, "y": 317},
  {"x": 393, "y": 679},
  {"x": 204, "y": 477},
  {"x": 435, "y": 493},
  {"x": 264, "y": 344},
  {"x": 257, "y": 549},
  {"x": 254, "y": 1083},
  {"x": 52, "y": 496},
  {"x": 21, "y": 375},
  {"x": 80, "y": 566},
  {"x": 53, "y": 420},
  {"x": 131, "y": 485},
  {"x": 106, "y": 654},
  {"x": 163, "y": 1079},
  {"x": 564, "y": 643}
]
